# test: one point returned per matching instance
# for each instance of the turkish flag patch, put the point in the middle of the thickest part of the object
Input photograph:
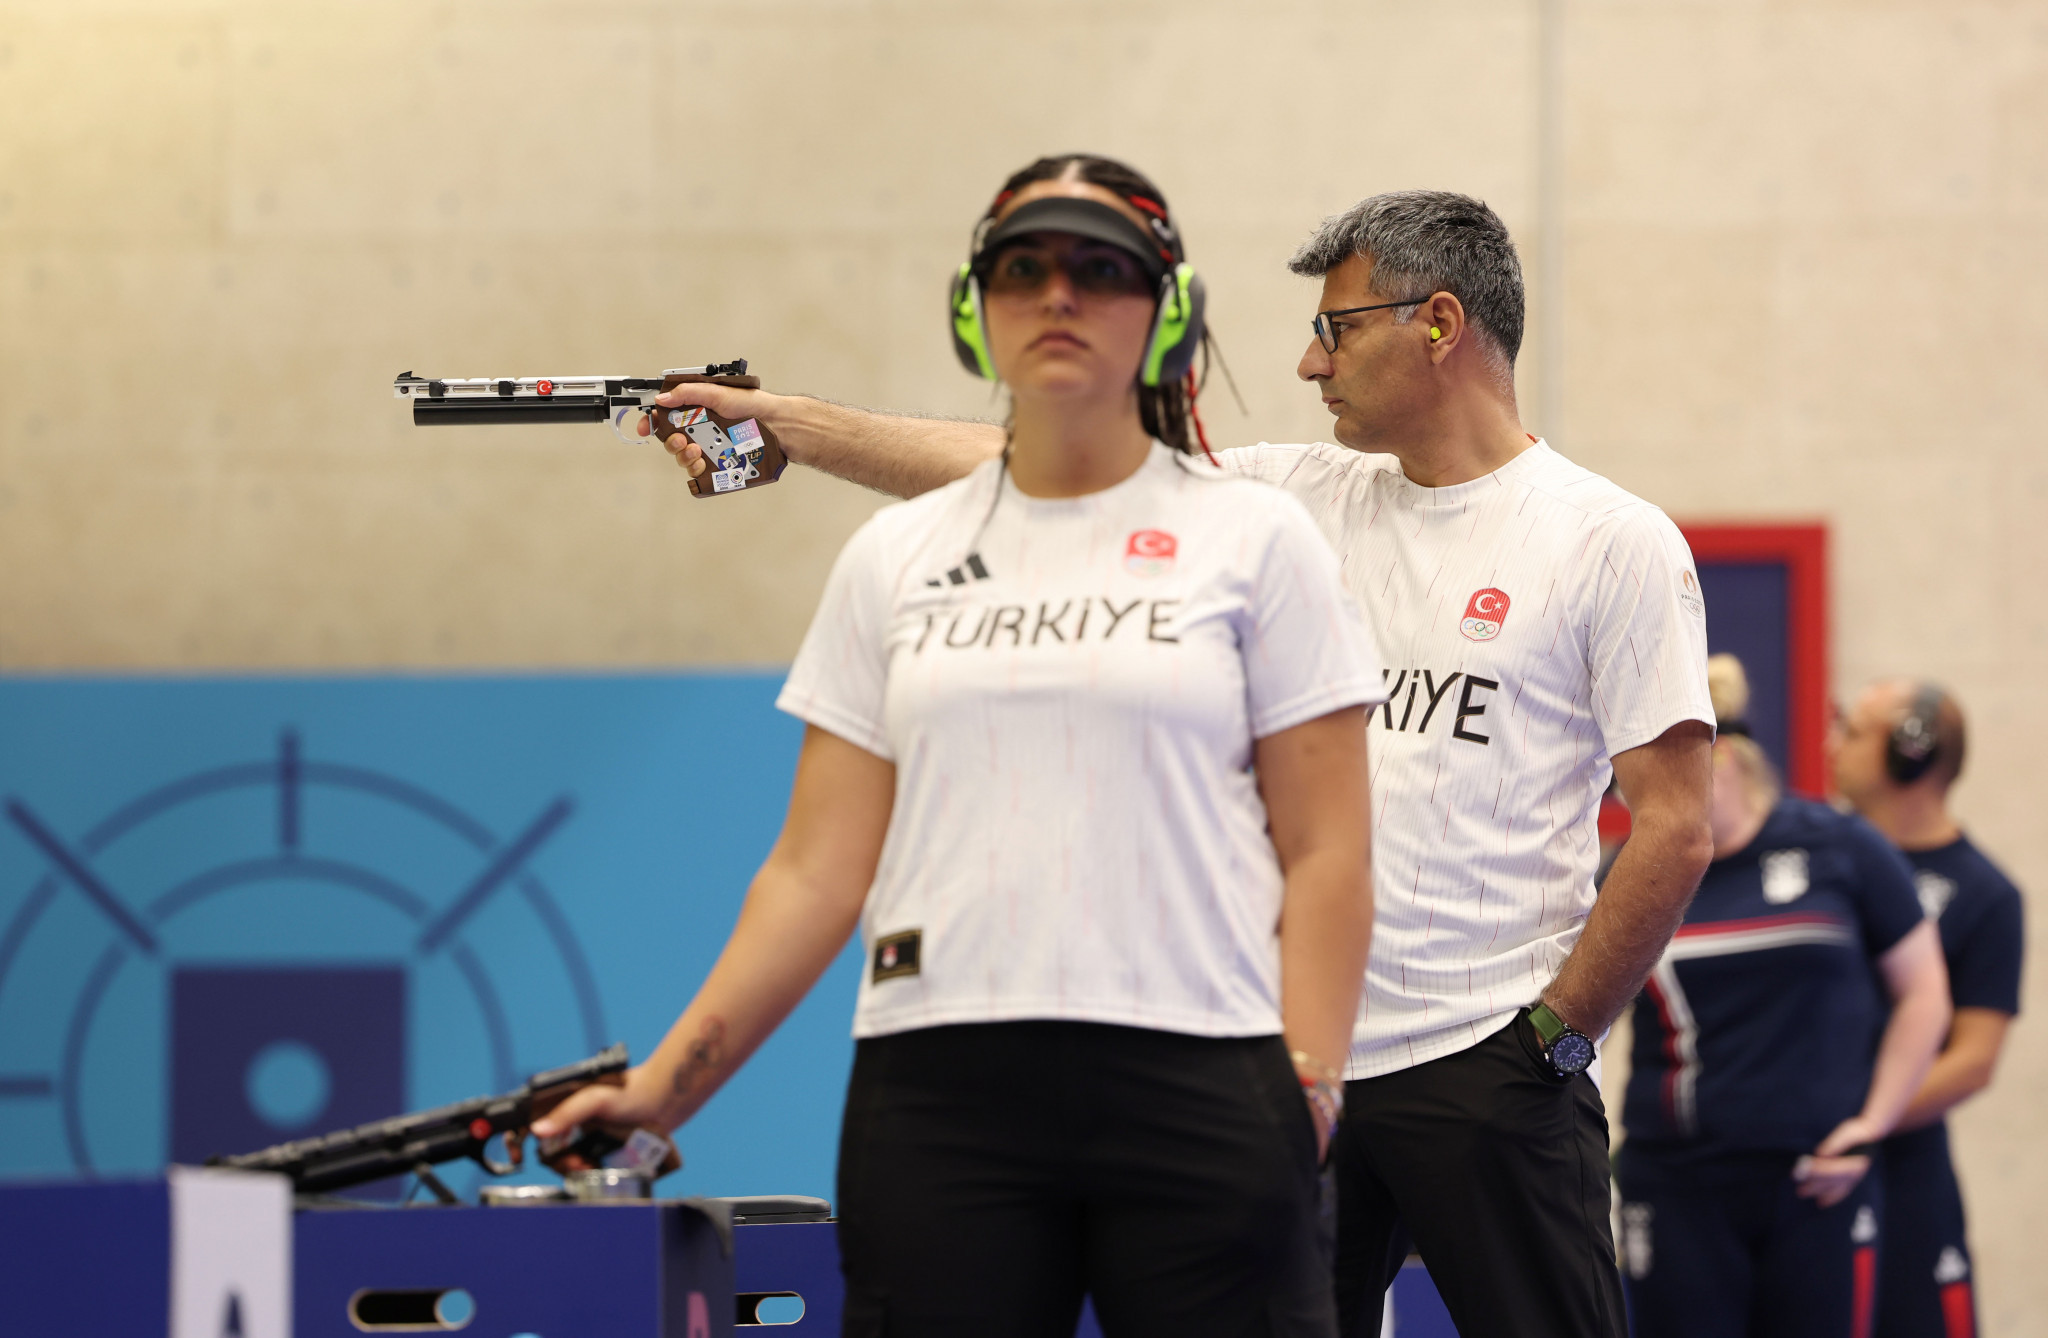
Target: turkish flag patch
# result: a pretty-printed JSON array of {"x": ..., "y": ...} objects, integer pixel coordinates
[
  {"x": 1150, "y": 553},
  {"x": 1484, "y": 614}
]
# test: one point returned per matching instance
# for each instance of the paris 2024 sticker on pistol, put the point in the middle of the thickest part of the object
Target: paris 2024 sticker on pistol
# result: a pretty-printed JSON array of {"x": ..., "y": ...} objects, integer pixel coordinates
[{"x": 740, "y": 453}]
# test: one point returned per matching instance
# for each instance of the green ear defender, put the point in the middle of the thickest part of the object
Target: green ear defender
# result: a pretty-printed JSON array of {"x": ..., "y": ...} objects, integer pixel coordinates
[
  {"x": 970, "y": 330},
  {"x": 1176, "y": 330}
]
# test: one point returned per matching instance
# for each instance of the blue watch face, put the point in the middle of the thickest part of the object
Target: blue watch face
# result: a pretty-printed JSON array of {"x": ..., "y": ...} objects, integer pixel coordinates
[{"x": 1571, "y": 1053}]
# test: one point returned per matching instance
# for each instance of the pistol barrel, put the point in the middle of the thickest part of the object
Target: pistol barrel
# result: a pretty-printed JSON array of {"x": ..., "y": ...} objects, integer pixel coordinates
[{"x": 481, "y": 410}]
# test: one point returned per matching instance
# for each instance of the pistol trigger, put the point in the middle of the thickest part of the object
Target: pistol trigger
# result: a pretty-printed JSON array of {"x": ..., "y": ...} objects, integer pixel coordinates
[
  {"x": 483, "y": 1159},
  {"x": 619, "y": 425}
]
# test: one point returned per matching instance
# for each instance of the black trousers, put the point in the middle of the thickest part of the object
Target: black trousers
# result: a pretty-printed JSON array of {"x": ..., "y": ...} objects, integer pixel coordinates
[
  {"x": 1924, "y": 1287},
  {"x": 1726, "y": 1248},
  {"x": 1496, "y": 1169},
  {"x": 990, "y": 1175}
]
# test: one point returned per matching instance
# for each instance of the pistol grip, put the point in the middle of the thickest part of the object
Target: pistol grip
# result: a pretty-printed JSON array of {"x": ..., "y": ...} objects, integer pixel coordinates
[{"x": 761, "y": 456}]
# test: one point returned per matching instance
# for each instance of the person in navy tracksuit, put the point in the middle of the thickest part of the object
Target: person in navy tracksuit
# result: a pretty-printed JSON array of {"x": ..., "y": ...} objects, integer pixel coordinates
[
  {"x": 1778, "y": 1040},
  {"x": 1896, "y": 752}
]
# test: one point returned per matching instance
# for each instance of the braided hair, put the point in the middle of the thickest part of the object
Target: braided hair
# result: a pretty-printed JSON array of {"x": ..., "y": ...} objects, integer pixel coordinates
[{"x": 1168, "y": 411}]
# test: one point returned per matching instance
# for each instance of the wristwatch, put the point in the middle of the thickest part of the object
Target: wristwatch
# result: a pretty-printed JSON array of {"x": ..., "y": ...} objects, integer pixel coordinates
[{"x": 1569, "y": 1052}]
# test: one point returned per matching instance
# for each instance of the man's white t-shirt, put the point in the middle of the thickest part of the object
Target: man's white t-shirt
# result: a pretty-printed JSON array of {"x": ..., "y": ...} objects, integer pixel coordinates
[
  {"x": 1535, "y": 622},
  {"x": 1070, "y": 692}
]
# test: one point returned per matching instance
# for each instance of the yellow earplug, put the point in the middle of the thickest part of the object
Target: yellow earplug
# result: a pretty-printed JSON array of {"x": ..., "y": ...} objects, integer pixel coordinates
[{"x": 1435, "y": 333}]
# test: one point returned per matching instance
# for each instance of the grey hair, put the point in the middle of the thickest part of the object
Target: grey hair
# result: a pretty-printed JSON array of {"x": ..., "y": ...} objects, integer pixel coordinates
[{"x": 1429, "y": 241}]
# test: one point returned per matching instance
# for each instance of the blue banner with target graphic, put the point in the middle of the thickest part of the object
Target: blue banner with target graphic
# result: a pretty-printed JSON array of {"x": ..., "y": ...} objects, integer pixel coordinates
[{"x": 239, "y": 910}]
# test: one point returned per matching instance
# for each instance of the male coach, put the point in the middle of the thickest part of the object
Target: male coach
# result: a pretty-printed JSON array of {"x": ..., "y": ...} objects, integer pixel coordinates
[
  {"x": 1895, "y": 753},
  {"x": 1544, "y": 625}
]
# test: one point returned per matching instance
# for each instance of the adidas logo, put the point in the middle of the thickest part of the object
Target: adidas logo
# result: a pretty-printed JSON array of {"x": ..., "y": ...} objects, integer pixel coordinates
[{"x": 974, "y": 572}]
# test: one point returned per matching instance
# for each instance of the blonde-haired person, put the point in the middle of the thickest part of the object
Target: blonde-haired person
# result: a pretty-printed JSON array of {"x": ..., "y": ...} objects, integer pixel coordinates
[
  {"x": 1779, "y": 1039},
  {"x": 1086, "y": 760}
]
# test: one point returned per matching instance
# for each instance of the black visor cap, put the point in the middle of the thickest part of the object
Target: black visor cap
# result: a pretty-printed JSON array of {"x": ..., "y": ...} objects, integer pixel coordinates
[{"x": 1083, "y": 218}]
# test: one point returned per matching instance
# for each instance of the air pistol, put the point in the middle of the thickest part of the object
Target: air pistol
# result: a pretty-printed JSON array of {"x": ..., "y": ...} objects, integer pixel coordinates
[
  {"x": 740, "y": 453},
  {"x": 465, "y": 1131}
]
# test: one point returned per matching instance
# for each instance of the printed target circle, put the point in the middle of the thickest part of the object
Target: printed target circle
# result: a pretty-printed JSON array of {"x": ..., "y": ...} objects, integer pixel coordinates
[{"x": 328, "y": 943}]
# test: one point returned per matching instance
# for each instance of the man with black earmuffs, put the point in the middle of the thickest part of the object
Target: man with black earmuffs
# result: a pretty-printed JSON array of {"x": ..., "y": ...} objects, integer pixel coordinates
[
  {"x": 1896, "y": 752},
  {"x": 1544, "y": 631}
]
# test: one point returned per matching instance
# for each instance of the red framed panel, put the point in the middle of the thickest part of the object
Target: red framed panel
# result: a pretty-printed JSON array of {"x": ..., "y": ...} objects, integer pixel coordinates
[{"x": 1803, "y": 551}]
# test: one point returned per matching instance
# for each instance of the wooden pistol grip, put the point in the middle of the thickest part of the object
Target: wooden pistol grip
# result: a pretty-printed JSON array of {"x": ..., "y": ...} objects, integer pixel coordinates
[
  {"x": 576, "y": 1155},
  {"x": 769, "y": 466},
  {"x": 570, "y": 1151},
  {"x": 667, "y": 422}
]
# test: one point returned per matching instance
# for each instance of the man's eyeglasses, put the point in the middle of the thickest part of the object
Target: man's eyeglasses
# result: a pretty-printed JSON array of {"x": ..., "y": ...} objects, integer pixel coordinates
[{"x": 1325, "y": 323}]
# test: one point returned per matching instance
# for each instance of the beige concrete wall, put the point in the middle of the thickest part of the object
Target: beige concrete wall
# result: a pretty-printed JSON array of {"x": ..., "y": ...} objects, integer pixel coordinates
[{"x": 1799, "y": 246}]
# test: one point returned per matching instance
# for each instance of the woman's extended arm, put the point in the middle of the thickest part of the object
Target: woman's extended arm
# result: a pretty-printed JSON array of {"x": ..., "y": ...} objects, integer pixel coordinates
[
  {"x": 797, "y": 915},
  {"x": 1917, "y": 980},
  {"x": 1313, "y": 778}
]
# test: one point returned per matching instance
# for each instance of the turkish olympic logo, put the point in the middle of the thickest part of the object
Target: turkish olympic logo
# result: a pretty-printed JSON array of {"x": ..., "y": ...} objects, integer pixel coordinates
[
  {"x": 1484, "y": 613},
  {"x": 1150, "y": 553}
]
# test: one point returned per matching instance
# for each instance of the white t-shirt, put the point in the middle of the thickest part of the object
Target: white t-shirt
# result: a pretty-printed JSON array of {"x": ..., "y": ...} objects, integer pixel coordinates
[
  {"x": 1070, "y": 700},
  {"x": 1536, "y": 622}
]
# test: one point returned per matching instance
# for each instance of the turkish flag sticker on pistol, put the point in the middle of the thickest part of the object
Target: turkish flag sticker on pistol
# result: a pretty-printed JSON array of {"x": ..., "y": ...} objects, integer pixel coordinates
[
  {"x": 1484, "y": 614},
  {"x": 897, "y": 955}
]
